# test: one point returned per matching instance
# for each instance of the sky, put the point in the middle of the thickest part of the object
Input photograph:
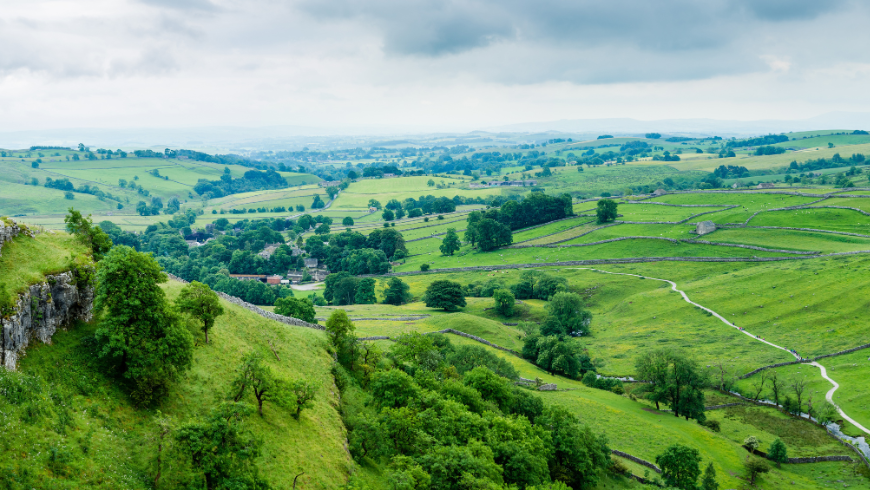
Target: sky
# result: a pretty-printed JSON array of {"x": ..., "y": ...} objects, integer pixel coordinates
[{"x": 425, "y": 64}]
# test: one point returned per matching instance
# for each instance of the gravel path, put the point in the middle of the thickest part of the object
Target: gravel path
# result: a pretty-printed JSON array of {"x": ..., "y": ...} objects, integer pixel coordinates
[{"x": 828, "y": 396}]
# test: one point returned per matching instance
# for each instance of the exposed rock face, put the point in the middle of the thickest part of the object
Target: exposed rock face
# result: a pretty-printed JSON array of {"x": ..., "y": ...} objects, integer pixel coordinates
[
  {"x": 547, "y": 387},
  {"x": 705, "y": 227},
  {"x": 40, "y": 311}
]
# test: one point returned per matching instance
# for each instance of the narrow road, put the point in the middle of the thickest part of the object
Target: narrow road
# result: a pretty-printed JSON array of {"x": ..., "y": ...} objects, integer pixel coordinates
[{"x": 828, "y": 396}]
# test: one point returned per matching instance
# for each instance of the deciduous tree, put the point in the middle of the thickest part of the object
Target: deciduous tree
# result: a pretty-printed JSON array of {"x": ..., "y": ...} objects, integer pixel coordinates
[{"x": 200, "y": 302}]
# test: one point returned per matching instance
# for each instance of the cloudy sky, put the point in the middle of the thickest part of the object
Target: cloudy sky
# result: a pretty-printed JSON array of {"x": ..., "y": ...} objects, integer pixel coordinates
[{"x": 425, "y": 64}]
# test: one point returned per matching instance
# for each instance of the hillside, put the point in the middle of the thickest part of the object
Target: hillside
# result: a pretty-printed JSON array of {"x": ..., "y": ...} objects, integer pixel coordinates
[{"x": 73, "y": 427}]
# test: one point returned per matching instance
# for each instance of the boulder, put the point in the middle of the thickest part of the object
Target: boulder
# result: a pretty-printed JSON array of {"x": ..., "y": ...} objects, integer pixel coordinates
[{"x": 705, "y": 227}]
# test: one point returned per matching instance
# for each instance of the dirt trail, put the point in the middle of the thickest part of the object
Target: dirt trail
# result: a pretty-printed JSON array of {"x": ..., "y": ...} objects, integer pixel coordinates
[{"x": 828, "y": 396}]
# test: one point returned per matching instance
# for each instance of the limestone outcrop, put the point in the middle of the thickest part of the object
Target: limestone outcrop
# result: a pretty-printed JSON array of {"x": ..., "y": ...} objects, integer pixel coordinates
[{"x": 40, "y": 311}]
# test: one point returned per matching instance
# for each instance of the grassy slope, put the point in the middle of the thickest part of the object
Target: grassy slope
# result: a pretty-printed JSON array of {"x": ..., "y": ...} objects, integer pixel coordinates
[
  {"x": 770, "y": 161},
  {"x": 50, "y": 204},
  {"x": 121, "y": 438},
  {"x": 27, "y": 261},
  {"x": 633, "y": 427},
  {"x": 845, "y": 220}
]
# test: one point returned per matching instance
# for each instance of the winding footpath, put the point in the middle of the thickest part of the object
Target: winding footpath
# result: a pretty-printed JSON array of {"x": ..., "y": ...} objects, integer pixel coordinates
[{"x": 828, "y": 396}]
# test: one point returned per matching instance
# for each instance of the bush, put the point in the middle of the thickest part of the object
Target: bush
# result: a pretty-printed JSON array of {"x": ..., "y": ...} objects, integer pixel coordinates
[
  {"x": 424, "y": 267},
  {"x": 712, "y": 425}
]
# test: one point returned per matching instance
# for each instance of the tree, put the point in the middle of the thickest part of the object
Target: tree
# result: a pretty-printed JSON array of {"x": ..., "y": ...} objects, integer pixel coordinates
[
  {"x": 340, "y": 333},
  {"x": 680, "y": 466},
  {"x": 137, "y": 327},
  {"x": 490, "y": 234},
  {"x": 444, "y": 294},
  {"x": 708, "y": 481},
  {"x": 345, "y": 291},
  {"x": 606, "y": 210},
  {"x": 200, "y": 302},
  {"x": 758, "y": 384},
  {"x": 557, "y": 355},
  {"x": 332, "y": 191},
  {"x": 430, "y": 183},
  {"x": 303, "y": 393},
  {"x": 388, "y": 215},
  {"x": 397, "y": 292},
  {"x": 222, "y": 448},
  {"x": 778, "y": 452},
  {"x": 92, "y": 236},
  {"x": 347, "y": 221},
  {"x": 751, "y": 443},
  {"x": 755, "y": 467},
  {"x": 578, "y": 455},
  {"x": 365, "y": 292},
  {"x": 566, "y": 316},
  {"x": 504, "y": 302},
  {"x": 798, "y": 385},
  {"x": 675, "y": 380},
  {"x": 450, "y": 244},
  {"x": 777, "y": 386},
  {"x": 253, "y": 373},
  {"x": 374, "y": 203},
  {"x": 301, "y": 308}
]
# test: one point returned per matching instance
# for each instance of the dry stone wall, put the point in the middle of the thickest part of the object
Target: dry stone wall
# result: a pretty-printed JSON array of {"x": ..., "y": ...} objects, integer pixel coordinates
[{"x": 40, "y": 311}]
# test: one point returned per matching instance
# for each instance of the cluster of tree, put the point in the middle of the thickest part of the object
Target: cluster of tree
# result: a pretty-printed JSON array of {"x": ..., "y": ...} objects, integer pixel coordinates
[
  {"x": 492, "y": 229},
  {"x": 652, "y": 136},
  {"x": 228, "y": 159},
  {"x": 791, "y": 394},
  {"x": 356, "y": 253},
  {"x": 769, "y": 150},
  {"x": 678, "y": 139},
  {"x": 606, "y": 210},
  {"x": 673, "y": 379},
  {"x": 667, "y": 157},
  {"x": 731, "y": 172},
  {"x": 378, "y": 172},
  {"x": 450, "y": 418},
  {"x": 253, "y": 180},
  {"x": 66, "y": 185},
  {"x": 225, "y": 254},
  {"x": 822, "y": 163},
  {"x": 770, "y": 139}
]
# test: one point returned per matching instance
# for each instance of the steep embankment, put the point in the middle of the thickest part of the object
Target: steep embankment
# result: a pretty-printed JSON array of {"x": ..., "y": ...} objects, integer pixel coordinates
[
  {"x": 44, "y": 285},
  {"x": 73, "y": 426}
]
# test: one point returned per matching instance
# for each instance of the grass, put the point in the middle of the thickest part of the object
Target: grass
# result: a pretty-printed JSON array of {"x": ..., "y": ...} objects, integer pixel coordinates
[
  {"x": 844, "y": 220},
  {"x": 749, "y": 203},
  {"x": 111, "y": 444},
  {"x": 850, "y": 371},
  {"x": 19, "y": 199},
  {"x": 790, "y": 240},
  {"x": 633, "y": 427},
  {"x": 770, "y": 161},
  {"x": 48, "y": 204},
  {"x": 26, "y": 261}
]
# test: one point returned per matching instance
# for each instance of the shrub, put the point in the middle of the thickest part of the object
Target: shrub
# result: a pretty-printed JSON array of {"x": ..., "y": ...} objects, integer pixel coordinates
[{"x": 424, "y": 267}]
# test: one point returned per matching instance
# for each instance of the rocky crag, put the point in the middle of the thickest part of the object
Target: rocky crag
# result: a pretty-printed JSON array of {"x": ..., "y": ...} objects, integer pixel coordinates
[
  {"x": 40, "y": 311},
  {"x": 42, "y": 308}
]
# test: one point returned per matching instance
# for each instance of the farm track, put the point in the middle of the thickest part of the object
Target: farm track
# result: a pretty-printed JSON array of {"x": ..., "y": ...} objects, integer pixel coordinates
[{"x": 828, "y": 396}]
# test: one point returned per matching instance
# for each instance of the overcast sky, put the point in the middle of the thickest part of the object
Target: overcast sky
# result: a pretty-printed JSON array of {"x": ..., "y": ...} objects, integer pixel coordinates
[{"x": 425, "y": 64}]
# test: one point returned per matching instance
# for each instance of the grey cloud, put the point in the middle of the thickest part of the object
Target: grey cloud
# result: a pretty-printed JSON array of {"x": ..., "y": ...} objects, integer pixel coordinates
[
  {"x": 201, "y": 5},
  {"x": 149, "y": 63},
  {"x": 435, "y": 27}
]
